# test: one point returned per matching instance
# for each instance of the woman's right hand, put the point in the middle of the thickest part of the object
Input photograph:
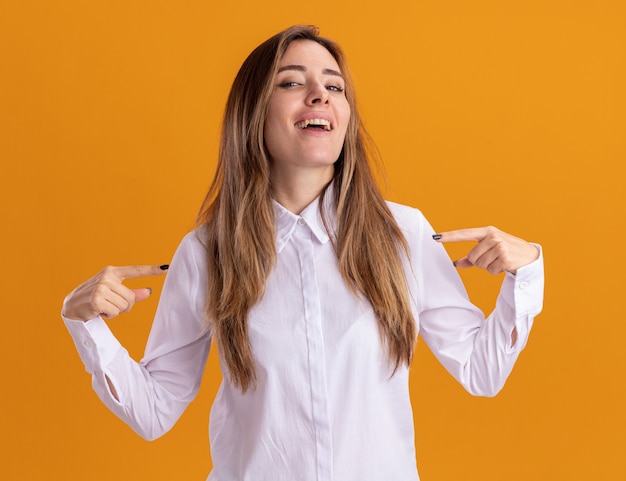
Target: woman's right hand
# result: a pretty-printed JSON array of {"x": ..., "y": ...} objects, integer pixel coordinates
[{"x": 105, "y": 295}]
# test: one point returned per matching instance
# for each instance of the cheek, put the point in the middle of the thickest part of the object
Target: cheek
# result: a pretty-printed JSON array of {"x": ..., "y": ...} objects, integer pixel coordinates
[
  {"x": 269, "y": 128},
  {"x": 270, "y": 116},
  {"x": 273, "y": 137},
  {"x": 345, "y": 111},
  {"x": 345, "y": 116},
  {"x": 269, "y": 140},
  {"x": 274, "y": 122}
]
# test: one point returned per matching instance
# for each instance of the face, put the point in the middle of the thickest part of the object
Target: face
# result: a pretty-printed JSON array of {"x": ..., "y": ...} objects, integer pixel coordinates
[{"x": 308, "y": 112}]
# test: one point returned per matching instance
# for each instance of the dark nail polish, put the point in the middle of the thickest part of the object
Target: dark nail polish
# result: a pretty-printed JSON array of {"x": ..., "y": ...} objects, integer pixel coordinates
[
  {"x": 437, "y": 236},
  {"x": 164, "y": 267},
  {"x": 149, "y": 290},
  {"x": 454, "y": 263}
]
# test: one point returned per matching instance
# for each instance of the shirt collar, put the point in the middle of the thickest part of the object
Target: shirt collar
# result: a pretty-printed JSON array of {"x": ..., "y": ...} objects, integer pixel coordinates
[{"x": 287, "y": 221}]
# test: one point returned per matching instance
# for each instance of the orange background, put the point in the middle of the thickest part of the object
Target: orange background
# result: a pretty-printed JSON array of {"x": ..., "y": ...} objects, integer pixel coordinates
[{"x": 486, "y": 112}]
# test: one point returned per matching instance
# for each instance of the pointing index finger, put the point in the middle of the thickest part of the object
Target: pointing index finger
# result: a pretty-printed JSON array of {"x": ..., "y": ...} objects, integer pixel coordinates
[
  {"x": 462, "y": 235},
  {"x": 133, "y": 272}
]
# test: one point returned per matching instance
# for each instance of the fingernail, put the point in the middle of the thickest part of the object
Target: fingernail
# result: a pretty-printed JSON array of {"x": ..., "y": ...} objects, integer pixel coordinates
[
  {"x": 437, "y": 236},
  {"x": 164, "y": 267},
  {"x": 454, "y": 263},
  {"x": 149, "y": 290}
]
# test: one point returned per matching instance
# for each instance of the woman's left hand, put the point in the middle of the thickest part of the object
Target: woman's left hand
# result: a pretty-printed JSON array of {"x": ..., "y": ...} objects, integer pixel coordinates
[{"x": 495, "y": 252}]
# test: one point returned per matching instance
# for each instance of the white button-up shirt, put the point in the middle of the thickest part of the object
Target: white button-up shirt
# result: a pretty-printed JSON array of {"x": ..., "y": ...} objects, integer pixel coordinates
[{"x": 326, "y": 407}]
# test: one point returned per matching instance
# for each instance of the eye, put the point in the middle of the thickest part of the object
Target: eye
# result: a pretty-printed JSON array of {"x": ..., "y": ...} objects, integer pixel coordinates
[
  {"x": 335, "y": 88},
  {"x": 288, "y": 84}
]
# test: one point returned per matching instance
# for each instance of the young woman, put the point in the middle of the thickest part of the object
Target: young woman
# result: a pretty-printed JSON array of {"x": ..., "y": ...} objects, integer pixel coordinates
[{"x": 313, "y": 287}]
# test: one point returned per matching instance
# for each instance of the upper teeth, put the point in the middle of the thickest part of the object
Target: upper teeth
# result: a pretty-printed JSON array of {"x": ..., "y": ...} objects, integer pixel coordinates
[{"x": 305, "y": 123}]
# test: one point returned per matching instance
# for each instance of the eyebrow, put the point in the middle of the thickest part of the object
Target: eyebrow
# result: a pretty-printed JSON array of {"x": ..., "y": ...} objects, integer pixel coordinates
[{"x": 302, "y": 68}]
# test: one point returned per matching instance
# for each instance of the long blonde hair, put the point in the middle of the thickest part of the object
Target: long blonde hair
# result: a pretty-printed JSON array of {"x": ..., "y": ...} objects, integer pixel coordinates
[{"x": 239, "y": 215}]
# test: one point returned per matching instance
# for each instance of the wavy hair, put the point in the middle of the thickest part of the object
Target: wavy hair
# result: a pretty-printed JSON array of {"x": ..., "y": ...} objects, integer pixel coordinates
[{"x": 239, "y": 215}]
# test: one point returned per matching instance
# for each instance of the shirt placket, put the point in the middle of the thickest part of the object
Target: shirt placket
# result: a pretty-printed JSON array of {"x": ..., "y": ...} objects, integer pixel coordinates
[{"x": 316, "y": 352}]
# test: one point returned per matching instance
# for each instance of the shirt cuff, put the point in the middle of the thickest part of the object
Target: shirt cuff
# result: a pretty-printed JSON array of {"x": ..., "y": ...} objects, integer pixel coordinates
[
  {"x": 523, "y": 291},
  {"x": 94, "y": 341}
]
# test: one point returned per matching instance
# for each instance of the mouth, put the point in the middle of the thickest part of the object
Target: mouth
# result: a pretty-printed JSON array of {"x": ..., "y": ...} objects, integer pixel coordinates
[{"x": 315, "y": 124}]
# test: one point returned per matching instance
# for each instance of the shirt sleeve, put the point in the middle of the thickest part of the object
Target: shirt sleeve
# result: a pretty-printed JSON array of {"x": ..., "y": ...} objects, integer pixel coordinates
[
  {"x": 478, "y": 352},
  {"x": 153, "y": 393}
]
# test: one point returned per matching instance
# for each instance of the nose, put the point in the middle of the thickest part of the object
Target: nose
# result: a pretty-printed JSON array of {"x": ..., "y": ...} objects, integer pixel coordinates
[{"x": 318, "y": 95}]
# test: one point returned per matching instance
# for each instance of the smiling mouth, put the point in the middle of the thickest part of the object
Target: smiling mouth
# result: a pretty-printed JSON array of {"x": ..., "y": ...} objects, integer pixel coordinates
[{"x": 319, "y": 124}]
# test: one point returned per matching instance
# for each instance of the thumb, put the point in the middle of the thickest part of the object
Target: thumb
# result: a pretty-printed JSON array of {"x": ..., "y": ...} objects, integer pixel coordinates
[
  {"x": 142, "y": 294},
  {"x": 463, "y": 263}
]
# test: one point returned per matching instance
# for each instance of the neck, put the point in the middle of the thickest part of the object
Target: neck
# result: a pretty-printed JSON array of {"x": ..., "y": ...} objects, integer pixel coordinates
[{"x": 296, "y": 190}]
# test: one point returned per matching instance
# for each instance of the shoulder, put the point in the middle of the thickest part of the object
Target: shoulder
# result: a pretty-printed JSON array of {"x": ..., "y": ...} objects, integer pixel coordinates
[
  {"x": 409, "y": 219},
  {"x": 192, "y": 248}
]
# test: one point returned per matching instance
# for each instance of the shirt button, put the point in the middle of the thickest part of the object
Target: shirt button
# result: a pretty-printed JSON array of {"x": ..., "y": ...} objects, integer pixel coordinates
[
  {"x": 301, "y": 221},
  {"x": 88, "y": 343},
  {"x": 523, "y": 285}
]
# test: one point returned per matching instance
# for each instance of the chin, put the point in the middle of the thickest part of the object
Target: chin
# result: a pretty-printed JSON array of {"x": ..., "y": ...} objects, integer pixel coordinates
[{"x": 322, "y": 158}]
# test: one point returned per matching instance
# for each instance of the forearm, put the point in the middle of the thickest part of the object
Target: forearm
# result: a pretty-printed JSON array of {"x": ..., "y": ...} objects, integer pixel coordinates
[
  {"x": 480, "y": 353},
  {"x": 149, "y": 397}
]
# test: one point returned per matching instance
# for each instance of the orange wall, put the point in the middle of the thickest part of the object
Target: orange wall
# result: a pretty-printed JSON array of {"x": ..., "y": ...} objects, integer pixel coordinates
[{"x": 487, "y": 112}]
